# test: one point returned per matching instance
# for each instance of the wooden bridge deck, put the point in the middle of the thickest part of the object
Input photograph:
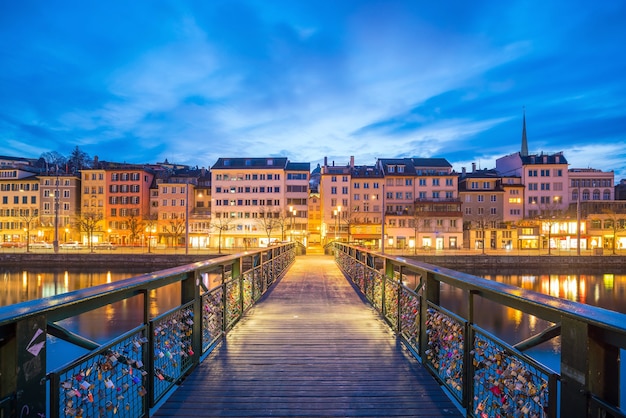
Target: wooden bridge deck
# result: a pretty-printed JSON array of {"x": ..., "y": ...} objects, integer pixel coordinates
[{"x": 310, "y": 347}]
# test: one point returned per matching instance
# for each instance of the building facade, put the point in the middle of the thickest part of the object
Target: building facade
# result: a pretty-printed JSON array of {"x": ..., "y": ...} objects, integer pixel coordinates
[{"x": 257, "y": 201}]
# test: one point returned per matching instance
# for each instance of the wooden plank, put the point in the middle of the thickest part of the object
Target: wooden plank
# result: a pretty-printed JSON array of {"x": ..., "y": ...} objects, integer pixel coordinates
[{"x": 310, "y": 347}]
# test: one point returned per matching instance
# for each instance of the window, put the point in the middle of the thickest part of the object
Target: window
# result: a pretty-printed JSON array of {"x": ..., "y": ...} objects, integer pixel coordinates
[
  {"x": 480, "y": 198},
  {"x": 422, "y": 182},
  {"x": 449, "y": 182},
  {"x": 333, "y": 190},
  {"x": 486, "y": 185},
  {"x": 493, "y": 211},
  {"x": 435, "y": 182},
  {"x": 494, "y": 198}
]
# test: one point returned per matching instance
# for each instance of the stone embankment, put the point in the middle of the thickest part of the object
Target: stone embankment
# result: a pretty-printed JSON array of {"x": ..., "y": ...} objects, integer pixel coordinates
[
  {"x": 109, "y": 260},
  {"x": 556, "y": 264}
]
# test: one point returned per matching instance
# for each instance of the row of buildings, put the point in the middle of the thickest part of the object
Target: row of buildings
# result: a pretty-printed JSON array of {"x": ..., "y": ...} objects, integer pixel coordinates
[{"x": 526, "y": 202}]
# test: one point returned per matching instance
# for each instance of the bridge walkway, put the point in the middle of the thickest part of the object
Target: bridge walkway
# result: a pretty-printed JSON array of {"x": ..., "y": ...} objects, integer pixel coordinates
[{"x": 310, "y": 347}]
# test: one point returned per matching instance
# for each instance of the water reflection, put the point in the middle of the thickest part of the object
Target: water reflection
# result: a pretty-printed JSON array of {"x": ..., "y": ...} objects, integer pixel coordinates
[
  {"x": 604, "y": 290},
  {"x": 512, "y": 326}
]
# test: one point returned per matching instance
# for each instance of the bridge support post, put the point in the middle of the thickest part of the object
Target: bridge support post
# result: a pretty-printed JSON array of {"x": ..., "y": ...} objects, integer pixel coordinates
[
  {"x": 588, "y": 367},
  {"x": 431, "y": 293},
  {"x": 190, "y": 291},
  {"x": 26, "y": 364}
]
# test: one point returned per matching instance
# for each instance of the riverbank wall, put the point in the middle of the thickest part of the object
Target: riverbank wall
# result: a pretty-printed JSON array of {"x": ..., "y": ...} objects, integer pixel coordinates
[
  {"x": 109, "y": 260},
  {"x": 556, "y": 264}
]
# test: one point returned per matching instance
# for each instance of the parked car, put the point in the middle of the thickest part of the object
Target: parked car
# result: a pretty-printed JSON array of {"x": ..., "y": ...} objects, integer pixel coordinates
[
  {"x": 104, "y": 246},
  {"x": 71, "y": 245},
  {"x": 40, "y": 244},
  {"x": 11, "y": 244}
]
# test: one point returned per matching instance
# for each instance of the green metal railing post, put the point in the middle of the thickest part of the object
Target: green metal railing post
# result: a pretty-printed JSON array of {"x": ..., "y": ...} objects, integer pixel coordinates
[
  {"x": 468, "y": 346},
  {"x": 235, "y": 271},
  {"x": 190, "y": 291},
  {"x": 399, "y": 303},
  {"x": 148, "y": 353},
  {"x": 29, "y": 360},
  {"x": 432, "y": 293},
  {"x": 224, "y": 303},
  {"x": 588, "y": 367}
]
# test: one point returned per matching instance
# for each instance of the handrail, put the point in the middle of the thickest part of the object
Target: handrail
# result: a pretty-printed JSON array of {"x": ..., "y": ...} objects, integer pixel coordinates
[
  {"x": 129, "y": 374},
  {"x": 487, "y": 376}
]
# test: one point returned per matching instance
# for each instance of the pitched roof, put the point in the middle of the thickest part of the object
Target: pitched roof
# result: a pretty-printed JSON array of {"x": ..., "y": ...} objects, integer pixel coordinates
[{"x": 269, "y": 162}]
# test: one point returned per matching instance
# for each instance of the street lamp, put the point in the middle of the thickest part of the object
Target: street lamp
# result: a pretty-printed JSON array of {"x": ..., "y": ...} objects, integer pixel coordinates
[
  {"x": 292, "y": 214},
  {"x": 382, "y": 225},
  {"x": 337, "y": 213},
  {"x": 55, "y": 243},
  {"x": 187, "y": 218},
  {"x": 578, "y": 219}
]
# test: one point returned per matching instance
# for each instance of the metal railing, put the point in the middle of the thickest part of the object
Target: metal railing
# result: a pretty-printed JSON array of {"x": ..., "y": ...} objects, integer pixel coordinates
[
  {"x": 487, "y": 376},
  {"x": 130, "y": 374}
]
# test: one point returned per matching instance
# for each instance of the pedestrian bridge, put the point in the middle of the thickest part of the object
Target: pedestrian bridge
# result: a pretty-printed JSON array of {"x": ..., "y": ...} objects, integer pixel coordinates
[
  {"x": 310, "y": 347},
  {"x": 269, "y": 333}
]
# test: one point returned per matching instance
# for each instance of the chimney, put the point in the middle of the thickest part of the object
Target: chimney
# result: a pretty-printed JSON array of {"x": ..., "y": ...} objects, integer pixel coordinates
[
  {"x": 473, "y": 167},
  {"x": 325, "y": 161},
  {"x": 352, "y": 161}
]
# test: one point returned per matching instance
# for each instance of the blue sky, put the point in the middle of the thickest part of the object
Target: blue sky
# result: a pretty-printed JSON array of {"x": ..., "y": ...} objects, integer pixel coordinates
[{"x": 145, "y": 81}]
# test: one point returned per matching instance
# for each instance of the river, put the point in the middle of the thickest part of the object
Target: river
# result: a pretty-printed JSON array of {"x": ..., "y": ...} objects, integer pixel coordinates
[{"x": 604, "y": 290}]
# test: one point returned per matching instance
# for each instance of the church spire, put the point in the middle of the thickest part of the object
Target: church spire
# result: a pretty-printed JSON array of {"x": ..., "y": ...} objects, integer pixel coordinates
[{"x": 524, "y": 152}]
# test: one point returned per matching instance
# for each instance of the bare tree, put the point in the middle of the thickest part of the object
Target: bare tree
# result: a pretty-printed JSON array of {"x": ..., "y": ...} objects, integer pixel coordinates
[
  {"x": 78, "y": 160},
  {"x": 175, "y": 228},
  {"x": 150, "y": 222},
  {"x": 281, "y": 220},
  {"x": 482, "y": 223},
  {"x": 549, "y": 214},
  {"x": 349, "y": 219},
  {"x": 222, "y": 224},
  {"x": 89, "y": 222},
  {"x": 269, "y": 221},
  {"x": 615, "y": 221},
  {"x": 52, "y": 160},
  {"x": 416, "y": 219},
  {"x": 29, "y": 217},
  {"x": 135, "y": 226}
]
